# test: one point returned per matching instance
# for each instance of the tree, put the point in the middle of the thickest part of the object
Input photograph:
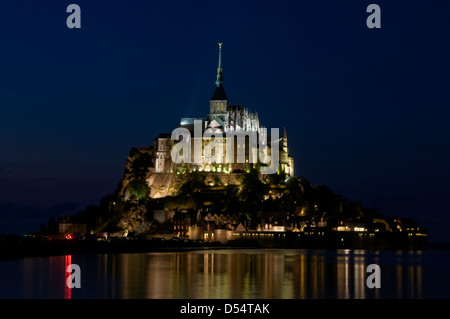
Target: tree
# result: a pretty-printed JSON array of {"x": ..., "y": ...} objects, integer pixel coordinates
[
  {"x": 294, "y": 190},
  {"x": 141, "y": 164},
  {"x": 139, "y": 189},
  {"x": 194, "y": 182},
  {"x": 52, "y": 226},
  {"x": 252, "y": 193},
  {"x": 325, "y": 198},
  {"x": 278, "y": 178}
]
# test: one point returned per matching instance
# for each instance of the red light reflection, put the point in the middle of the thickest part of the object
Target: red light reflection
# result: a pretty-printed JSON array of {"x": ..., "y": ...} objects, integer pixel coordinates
[{"x": 67, "y": 289}]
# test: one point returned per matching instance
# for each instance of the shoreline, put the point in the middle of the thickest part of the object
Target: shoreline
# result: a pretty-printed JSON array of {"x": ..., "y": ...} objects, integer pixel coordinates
[
  {"x": 33, "y": 247},
  {"x": 38, "y": 248}
]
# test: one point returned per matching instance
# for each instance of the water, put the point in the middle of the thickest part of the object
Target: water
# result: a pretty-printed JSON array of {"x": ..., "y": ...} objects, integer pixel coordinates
[{"x": 232, "y": 274}]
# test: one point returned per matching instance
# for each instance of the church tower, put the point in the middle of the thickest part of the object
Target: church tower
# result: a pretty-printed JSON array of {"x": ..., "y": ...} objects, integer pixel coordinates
[
  {"x": 218, "y": 105},
  {"x": 286, "y": 162}
]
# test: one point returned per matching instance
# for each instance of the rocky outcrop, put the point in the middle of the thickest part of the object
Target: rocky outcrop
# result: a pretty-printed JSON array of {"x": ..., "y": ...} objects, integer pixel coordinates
[
  {"x": 138, "y": 165},
  {"x": 134, "y": 220}
]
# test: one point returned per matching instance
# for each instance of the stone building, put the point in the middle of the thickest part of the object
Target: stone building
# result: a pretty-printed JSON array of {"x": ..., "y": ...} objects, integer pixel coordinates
[{"x": 70, "y": 225}]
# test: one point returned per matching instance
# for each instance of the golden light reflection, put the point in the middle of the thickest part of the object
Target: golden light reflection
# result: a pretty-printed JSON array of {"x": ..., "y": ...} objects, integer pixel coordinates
[
  {"x": 266, "y": 274},
  {"x": 360, "y": 276}
]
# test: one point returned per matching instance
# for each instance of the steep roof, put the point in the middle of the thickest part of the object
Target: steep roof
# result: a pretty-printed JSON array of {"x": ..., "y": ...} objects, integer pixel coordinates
[{"x": 219, "y": 94}]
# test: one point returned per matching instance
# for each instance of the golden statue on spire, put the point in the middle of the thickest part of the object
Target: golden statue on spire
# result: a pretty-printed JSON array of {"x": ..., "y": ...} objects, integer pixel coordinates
[{"x": 220, "y": 45}]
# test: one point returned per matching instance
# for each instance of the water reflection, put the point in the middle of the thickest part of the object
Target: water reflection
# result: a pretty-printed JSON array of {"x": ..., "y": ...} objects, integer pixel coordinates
[
  {"x": 255, "y": 274},
  {"x": 223, "y": 274}
]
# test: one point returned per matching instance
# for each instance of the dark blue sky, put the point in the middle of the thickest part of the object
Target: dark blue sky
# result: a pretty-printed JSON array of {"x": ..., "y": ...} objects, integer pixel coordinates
[{"x": 366, "y": 110}]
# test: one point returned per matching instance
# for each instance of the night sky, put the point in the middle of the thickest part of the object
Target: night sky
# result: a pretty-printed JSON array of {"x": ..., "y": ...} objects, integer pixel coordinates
[{"x": 366, "y": 110}]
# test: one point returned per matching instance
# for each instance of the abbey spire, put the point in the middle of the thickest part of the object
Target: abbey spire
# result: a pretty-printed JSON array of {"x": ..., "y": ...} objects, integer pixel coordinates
[
  {"x": 219, "y": 93},
  {"x": 218, "y": 105},
  {"x": 219, "y": 81}
]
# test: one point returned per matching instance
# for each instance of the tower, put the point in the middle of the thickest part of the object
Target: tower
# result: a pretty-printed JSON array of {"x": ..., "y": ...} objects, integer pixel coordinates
[
  {"x": 162, "y": 147},
  {"x": 286, "y": 162},
  {"x": 284, "y": 142},
  {"x": 218, "y": 105},
  {"x": 219, "y": 81}
]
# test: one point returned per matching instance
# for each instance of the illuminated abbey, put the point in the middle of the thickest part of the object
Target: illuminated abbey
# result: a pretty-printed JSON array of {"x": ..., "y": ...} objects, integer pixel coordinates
[{"x": 212, "y": 134}]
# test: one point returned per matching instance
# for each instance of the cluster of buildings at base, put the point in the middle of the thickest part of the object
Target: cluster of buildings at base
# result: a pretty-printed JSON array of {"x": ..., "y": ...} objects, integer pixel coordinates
[{"x": 225, "y": 228}]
